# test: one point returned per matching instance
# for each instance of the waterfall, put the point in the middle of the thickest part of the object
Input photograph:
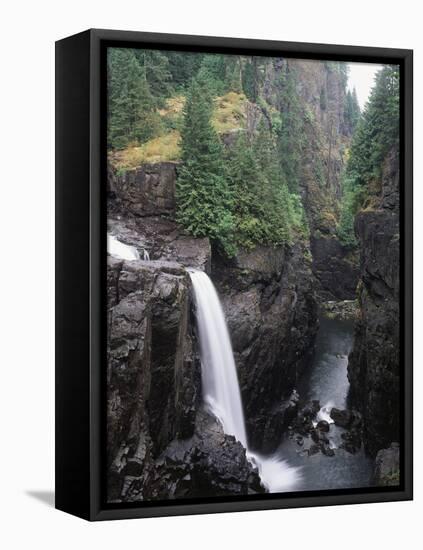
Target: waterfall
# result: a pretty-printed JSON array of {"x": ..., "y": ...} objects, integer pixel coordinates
[
  {"x": 221, "y": 392},
  {"x": 124, "y": 251}
]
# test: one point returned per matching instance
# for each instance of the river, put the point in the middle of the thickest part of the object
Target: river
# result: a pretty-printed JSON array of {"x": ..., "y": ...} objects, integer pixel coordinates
[{"x": 326, "y": 380}]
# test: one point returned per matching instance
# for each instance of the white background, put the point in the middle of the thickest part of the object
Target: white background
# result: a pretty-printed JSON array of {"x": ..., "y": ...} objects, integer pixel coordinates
[{"x": 28, "y": 32}]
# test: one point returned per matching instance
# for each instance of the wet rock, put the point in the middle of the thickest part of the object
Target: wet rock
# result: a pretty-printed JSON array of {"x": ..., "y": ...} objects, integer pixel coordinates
[
  {"x": 323, "y": 426},
  {"x": 313, "y": 450},
  {"x": 162, "y": 239},
  {"x": 387, "y": 466},
  {"x": 351, "y": 441},
  {"x": 327, "y": 450},
  {"x": 341, "y": 418},
  {"x": 211, "y": 464}
]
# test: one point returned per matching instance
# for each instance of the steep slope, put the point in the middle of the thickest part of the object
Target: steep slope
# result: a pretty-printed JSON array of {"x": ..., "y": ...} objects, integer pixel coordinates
[{"x": 373, "y": 367}]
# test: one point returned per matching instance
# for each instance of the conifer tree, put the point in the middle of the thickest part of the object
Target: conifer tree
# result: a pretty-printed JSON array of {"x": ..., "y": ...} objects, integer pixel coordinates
[
  {"x": 204, "y": 202},
  {"x": 155, "y": 67},
  {"x": 248, "y": 189},
  {"x": 376, "y": 133},
  {"x": 290, "y": 142},
  {"x": 132, "y": 114}
]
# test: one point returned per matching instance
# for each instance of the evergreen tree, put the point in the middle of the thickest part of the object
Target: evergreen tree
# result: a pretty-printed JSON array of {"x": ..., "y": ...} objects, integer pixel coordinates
[
  {"x": 183, "y": 67},
  {"x": 351, "y": 112},
  {"x": 155, "y": 66},
  {"x": 131, "y": 111},
  {"x": 248, "y": 81},
  {"x": 212, "y": 74},
  {"x": 378, "y": 129},
  {"x": 204, "y": 203},
  {"x": 377, "y": 132},
  {"x": 290, "y": 131},
  {"x": 248, "y": 190}
]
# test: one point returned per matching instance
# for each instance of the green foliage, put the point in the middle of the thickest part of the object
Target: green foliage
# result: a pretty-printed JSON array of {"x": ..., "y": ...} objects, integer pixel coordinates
[
  {"x": 265, "y": 211},
  {"x": 377, "y": 132},
  {"x": 155, "y": 66},
  {"x": 249, "y": 79},
  {"x": 290, "y": 131},
  {"x": 132, "y": 114},
  {"x": 351, "y": 112},
  {"x": 345, "y": 228},
  {"x": 183, "y": 67},
  {"x": 204, "y": 203},
  {"x": 212, "y": 74}
]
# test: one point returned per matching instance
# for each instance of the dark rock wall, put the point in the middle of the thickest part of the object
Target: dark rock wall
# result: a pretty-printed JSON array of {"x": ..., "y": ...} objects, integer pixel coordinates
[
  {"x": 154, "y": 381},
  {"x": 146, "y": 190},
  {"x": 374, "y": 363}
]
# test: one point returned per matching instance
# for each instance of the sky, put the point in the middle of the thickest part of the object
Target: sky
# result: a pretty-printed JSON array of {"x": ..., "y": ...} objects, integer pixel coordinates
[{"x": 361, "y": 78}]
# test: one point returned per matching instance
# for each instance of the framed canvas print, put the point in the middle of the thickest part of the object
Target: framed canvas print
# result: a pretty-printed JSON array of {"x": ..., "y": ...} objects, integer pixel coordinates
[{"x": 234, "y": 274}]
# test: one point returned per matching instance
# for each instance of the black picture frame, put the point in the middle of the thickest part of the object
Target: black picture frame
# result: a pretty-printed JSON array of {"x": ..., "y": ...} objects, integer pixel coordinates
[{"x": 80, "y": 271}]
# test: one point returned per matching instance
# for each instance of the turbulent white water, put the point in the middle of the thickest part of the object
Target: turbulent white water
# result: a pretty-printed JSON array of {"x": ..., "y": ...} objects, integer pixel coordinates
[
  {"x": 221, "y": 391},
  {"x": 324, "y": 413},
  {"x": 122, "y": 251}
]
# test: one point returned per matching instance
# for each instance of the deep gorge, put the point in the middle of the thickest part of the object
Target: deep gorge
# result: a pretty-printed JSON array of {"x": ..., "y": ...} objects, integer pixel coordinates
[{"x": 162, "y": 443}]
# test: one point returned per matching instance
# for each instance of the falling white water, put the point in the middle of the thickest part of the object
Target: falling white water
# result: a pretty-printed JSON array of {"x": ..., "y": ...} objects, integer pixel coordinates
[
  {"x": 146, "y": 255},
  {"x": 122, "y": 251},
  {"x": 221, "y": 391},
  {"x": 324, "y": 413},
  {"x": 219, "y": 378}
]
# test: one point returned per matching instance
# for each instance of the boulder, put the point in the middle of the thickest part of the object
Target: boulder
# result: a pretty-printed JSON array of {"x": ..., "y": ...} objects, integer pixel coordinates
[
  {"x": 341, "y": 418},
  {"x": 209, "y": 464},
  {"x": 387, "y": 466}
]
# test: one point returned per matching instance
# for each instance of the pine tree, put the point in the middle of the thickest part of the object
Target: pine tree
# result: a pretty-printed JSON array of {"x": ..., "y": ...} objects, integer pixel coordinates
[
  {"x": 212, "y": 74},
  {"x": 378, "y": 129},
  {"x": 155, "y": 66},
  {"x": 132, "y": 114},
  {"x": 291, "y": 130},
  {"x": 204, "y": 201},
  {"x": 351, "y": 112},
  {"x": 376, "y": 133},
  {"x": 183, "y": 67},
  {"x": 247, "y": 185}
]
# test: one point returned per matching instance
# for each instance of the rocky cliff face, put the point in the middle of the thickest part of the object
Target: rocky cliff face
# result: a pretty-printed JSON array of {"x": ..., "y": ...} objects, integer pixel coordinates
[
  {"x": 326, "y": 139},
  {"x": 269, "y": 302},
  {"x": 159, "y": 439},
  {"x": 373, "y": 367}
]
